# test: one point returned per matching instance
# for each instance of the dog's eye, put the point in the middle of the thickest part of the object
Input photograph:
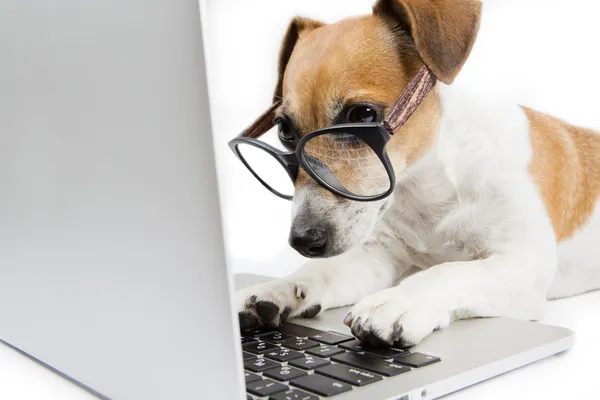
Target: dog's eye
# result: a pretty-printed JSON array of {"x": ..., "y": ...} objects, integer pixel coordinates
[
  {"x": 285, "y": 130},
  {"x": 361, "y": 113}
]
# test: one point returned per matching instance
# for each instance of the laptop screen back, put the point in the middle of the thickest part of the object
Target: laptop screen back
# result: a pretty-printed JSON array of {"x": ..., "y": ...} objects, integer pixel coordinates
[{"x": 111, "y": 258}]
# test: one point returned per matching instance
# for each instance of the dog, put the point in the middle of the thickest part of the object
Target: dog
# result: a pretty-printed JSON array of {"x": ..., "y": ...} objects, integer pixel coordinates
[{"x": 494, "y": 210}]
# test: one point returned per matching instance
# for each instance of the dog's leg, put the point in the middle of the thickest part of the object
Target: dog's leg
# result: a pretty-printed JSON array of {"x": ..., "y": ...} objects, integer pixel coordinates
[
  {"x": 501, "y": 285},
  {"x": 317, "y": 286}
]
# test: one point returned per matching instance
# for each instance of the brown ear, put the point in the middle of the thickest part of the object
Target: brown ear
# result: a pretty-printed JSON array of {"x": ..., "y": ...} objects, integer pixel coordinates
[
  {"x": 297, "y": 27},
  {"x": 443, "y": 31}
]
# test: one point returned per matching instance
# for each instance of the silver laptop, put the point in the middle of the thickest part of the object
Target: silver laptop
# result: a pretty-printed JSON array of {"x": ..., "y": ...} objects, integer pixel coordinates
[{"x": 112, "y": 268}]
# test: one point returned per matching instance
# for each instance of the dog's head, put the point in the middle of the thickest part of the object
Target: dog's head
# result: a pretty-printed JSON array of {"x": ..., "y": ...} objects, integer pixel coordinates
[{"x": 353, "y": 71}]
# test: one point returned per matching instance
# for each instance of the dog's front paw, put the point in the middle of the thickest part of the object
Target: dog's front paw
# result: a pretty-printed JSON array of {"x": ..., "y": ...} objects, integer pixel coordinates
[
  {"x": 396, "y": 316},
  {"x": 271, "y": 304}
]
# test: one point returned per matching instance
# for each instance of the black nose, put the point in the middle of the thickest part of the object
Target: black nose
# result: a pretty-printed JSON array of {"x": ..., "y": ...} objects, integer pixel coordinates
[{"x": 309, "y": 241}]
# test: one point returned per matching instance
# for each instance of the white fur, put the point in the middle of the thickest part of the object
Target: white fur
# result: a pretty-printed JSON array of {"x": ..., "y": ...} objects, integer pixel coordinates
[
  {"x": 468, "y": 219},
  {"x": 578, "y": 261}
]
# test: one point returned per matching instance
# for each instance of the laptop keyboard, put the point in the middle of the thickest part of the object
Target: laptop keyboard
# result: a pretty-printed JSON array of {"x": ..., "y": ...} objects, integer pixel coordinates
[{"x": 300, "y": 363}]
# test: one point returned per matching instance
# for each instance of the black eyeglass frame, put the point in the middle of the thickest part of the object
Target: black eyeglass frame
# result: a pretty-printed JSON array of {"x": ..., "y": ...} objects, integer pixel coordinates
[{"x": 375, "y": 135}]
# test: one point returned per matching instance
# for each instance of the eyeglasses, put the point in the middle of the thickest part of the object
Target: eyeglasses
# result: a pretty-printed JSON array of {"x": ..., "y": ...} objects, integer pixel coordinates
[{"x": 349, "y": 160}]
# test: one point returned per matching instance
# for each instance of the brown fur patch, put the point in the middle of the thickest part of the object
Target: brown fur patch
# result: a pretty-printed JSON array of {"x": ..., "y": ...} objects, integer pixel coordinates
[
  {"x": 566, "y": 167},
  {"x": 355, "y": 60}
]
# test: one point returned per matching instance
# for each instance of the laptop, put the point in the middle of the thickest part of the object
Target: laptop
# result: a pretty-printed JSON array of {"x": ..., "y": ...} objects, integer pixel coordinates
[{"x": 112, "y": 266}]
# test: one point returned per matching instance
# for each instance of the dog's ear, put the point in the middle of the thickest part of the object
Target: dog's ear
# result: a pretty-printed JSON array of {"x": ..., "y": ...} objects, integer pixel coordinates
[
  {"x": 443, "y": 31},
  {"x": 297, "y": 27}
]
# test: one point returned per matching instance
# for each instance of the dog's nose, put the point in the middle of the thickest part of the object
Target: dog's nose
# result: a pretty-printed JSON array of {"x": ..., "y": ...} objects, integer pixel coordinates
[{"x": 309, "y": 241}]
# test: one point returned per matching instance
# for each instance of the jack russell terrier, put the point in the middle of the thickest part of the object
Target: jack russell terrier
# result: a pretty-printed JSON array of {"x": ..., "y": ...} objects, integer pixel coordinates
[{"x": 491, "y": 209}]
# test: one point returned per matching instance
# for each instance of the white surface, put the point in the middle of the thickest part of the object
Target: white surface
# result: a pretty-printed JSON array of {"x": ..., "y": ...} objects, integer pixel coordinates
[
  {"x": 572, "y": 375},
  {"x": 539, "y": 53}
]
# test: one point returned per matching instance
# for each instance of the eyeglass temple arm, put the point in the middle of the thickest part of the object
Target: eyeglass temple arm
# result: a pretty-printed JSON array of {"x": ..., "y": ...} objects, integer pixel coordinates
[
  {"x": 262, "y": 124},
  {"x": 414, "y": 94}
]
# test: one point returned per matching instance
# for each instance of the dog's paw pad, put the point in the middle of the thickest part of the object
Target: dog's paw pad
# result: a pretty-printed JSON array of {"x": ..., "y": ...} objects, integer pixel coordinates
[
  {"x": 266, "y": 310},
  {"x": 248, "y": 321},
  {"x": 311, "y": 311},
  {"x": 374, "y": 339},
  {"x": 285, "y": 314}
]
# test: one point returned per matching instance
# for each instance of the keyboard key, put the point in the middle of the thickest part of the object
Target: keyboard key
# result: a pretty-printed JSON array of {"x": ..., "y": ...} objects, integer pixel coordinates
[
  {"x": 331, "y": 338},
  {"x": 309, "y": 362},
  {"x": 299, "y": 330},
  {"x": 355, "y": 345},
  {"x": 293, "y": 394},
  {"x": 380, "y": 352},
  {"x": 250, "y": 377},
  {"x": 416, "y": 360},
  {"x": 321, "y": 385},
  {"x": 260, "y": 364},
  {"x": 246, "y": 339},
  {"x": 266, "y": 387},
  {"x": 247, "y": 355},
  {"x": 258, "y": 347},
  {"x": 368, "y": 363},
  {"x": 286, "y": 373},
  {"x": 324, "y": 350},
  {"x": 282, "y": 354},
  {"x": 299, "y": 343},
  {"x": 274, "y": 337},
  {"x": 254, "y": 332},
  {"x": 348, "y": 374}
]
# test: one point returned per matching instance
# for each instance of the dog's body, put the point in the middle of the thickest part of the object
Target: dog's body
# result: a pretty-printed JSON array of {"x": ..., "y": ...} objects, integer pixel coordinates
[{"x": 494, "y": 211}]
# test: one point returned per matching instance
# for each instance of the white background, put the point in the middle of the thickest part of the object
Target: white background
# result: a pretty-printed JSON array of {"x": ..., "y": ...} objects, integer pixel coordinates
[{"x": 540, "y": 53}]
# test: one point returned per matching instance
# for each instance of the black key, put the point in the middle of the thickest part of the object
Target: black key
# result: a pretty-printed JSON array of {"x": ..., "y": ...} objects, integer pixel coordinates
[
  {"x": 331, "y": 338},
  {"x": 299, "y": 330},
  {"x": 416, "y": 360},
  {"x": 368, "y": 363},
  {"x": 250, "y": 377},
  {"x": 246, "y": 339},
  {"x": 286, "y": 373},
  {"x": 324, "y": 350},
  {"x": 299, "y": 343},
  {"x": 259, "y": 331},
  {"x": 258, "y": 347},
  {"x": 293, "y": 394},
  {"x": 349, "y": 374},
  {"x": 266, "y": 387},
  {"x": 247, "y": 356},
  {"x": 282, "y": 354},
  {"x": 259, "y": 364},
  {"x": 274, "y": 337},
  {"x": 381, "y": 352},
  {"x": 248, "y": 397},
  {"x": 384, "y": 352},
  {"x": 309, "y": 362},
  {"x": 321, "y": 385}
]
